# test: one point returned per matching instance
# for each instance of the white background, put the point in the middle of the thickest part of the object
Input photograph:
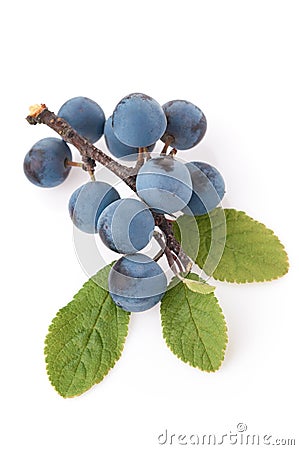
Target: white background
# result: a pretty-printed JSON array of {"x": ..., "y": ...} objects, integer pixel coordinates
[{"x": 238, "y": 61}]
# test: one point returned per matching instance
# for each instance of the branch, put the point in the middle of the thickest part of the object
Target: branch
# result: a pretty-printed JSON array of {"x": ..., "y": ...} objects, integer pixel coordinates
[
  {"x": 171, "y": 243},
  {"x": 90, "y": 153},
  {"x": 40, "y": 114}
]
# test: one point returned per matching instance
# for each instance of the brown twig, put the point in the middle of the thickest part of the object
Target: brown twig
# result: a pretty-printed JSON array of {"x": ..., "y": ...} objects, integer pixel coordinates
[
  {"x": 161, "y": 242},
  {"x": 171, "y": 242},
  {"x": 178, "y": 262}
]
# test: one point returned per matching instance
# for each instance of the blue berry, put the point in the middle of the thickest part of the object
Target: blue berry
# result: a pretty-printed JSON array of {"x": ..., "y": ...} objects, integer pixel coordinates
[
  {"x": 45, "y": 164},
  {"x": 186, "y": 123},
  {"x": 136, "y": 282},
  {"x": 164, "y": 184},
  {"x": 138, "y": 120},
  {"x": 208, "y": 188},
  {"x": 126, "y": 226},
  {"x": 88, "y": 201},
  {"x": 117, "y": 148},
  {"x": 85, "y": 116}
]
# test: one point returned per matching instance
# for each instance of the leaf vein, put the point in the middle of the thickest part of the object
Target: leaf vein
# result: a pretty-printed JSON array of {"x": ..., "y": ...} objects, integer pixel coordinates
[{"x": 85, "y": 345}]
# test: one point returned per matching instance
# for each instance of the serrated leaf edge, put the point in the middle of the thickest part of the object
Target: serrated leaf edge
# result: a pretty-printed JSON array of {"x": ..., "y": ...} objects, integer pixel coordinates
[
  {"x": 189, "y": 283},
  {"x": 97, "y": 380},
  {"x": 189, "y": 362},
  {"x": 264, "y": 280},
  {"x": 253, "y": 280}
]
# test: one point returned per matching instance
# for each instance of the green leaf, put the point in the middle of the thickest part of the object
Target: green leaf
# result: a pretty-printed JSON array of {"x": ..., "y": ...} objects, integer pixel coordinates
[
  {"x": 236, "y": 248},
  {"x": 194, "y": 327},
  {"x": 198, "y": 286},
  {"x": 86, "y": 338}
]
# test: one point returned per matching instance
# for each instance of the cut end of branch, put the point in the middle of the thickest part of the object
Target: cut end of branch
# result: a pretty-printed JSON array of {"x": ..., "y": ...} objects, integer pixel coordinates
[{"x": 35, "y": 110}]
